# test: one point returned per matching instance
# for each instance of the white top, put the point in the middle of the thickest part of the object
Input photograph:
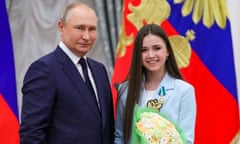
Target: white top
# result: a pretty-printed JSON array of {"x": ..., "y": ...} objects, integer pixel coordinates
[{"x": 147, "y": 95}]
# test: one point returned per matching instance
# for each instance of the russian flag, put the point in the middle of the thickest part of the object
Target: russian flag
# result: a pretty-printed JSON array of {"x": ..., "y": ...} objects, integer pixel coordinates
[
  {"x": 211, "y": 70},
  {"x": 208, "y": 63},
  {"x": 9, "y": 124}
]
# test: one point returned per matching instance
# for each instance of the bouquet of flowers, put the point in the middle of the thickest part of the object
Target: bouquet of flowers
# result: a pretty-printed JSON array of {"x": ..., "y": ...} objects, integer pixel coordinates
[{"x": 150, "y": 127}]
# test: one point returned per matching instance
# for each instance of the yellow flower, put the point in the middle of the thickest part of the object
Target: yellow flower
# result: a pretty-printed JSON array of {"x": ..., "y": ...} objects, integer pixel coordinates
[{"x": 157, "y": 129}]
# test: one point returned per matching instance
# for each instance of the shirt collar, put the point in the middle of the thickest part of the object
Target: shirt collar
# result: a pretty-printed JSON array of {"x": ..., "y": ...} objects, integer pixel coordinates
[{"x": 74, "y": 58}]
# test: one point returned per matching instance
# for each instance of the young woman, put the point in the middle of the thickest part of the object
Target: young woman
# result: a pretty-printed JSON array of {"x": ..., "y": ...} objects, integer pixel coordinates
[{"x": 153, "y": 74}]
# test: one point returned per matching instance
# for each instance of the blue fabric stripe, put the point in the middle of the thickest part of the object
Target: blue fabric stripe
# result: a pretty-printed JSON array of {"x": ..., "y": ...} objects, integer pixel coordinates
[
  {"x": 7, "y": 70},
  {"x": 213, "y": 45}
]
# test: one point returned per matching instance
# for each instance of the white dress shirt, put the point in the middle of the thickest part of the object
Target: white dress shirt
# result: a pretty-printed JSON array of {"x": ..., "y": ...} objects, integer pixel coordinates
[{"x": 75, "y": 59}]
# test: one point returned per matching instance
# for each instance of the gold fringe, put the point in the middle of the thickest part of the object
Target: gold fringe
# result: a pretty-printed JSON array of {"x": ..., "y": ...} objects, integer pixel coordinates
[{"x": 236, "y": 139}]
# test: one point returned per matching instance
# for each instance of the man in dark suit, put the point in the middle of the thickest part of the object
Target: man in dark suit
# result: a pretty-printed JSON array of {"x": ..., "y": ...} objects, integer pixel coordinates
[{"x": 63, "y": 103}]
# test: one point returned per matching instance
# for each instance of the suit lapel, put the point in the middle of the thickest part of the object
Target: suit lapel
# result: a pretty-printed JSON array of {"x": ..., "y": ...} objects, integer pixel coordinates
[
  {"x": 71, "y": 71},
  {"x": 168, "y": 83},
  {"x": 98, "y": 74}
]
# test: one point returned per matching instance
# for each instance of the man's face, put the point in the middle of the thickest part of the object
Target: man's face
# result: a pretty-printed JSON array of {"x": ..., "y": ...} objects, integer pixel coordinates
[{"x": 79, "y": 32}]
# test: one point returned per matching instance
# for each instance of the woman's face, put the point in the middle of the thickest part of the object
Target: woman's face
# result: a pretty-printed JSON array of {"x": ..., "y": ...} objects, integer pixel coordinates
[{"x": 154, "y": 53}]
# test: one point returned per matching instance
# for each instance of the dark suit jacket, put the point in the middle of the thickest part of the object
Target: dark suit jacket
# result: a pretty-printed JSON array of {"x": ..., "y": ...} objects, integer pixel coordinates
[{"x": 57, "y": 105}]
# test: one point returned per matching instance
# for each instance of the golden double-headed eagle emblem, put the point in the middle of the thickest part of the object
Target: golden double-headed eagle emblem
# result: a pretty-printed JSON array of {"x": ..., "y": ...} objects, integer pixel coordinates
[{"x": 157, "y": 11}]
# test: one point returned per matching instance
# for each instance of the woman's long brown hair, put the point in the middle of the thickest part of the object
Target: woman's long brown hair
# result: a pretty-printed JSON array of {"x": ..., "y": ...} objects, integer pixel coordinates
[{"x": 137, "y": 70}]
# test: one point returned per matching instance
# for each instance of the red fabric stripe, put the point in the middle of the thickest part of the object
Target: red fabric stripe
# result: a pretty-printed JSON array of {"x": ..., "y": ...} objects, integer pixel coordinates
[
  {"x": 122, "y": 65},
  {"x": 9, "y": 125},
  {"x": 217, "y": 110}
]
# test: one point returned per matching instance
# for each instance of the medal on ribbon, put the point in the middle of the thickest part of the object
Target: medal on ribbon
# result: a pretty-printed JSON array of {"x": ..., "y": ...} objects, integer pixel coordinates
[{"x": 157, "y": 103}]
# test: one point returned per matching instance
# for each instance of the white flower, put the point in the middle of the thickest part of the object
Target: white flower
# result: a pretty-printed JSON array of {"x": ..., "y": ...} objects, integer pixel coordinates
[{"x": 157, "y": 129}]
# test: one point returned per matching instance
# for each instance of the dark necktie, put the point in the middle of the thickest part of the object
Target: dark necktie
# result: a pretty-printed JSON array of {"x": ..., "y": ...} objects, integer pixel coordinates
[{"x": 86, "y": 77}]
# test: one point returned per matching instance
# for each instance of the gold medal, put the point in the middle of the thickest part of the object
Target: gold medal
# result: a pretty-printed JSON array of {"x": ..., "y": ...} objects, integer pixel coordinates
[{"x": 156, "y": 103}]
